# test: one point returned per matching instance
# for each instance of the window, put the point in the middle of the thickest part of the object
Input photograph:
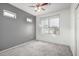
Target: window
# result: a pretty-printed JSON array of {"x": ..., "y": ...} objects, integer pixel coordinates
[
  {"x": 29, "y": 20},
  {"x": 44, "y": 26},
  {"x": 54, "y": 25},
  {"x": 9, "y": 14},
  {"x": 50, "y": 25}
]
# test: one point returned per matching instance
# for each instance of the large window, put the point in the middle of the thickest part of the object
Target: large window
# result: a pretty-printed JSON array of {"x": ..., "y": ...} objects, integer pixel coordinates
[{"x": 50, "y": 25}]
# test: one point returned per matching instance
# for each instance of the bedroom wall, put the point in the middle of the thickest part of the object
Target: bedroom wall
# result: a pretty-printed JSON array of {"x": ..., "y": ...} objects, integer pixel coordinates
[
  {"x": 73, "y": 43},
  {"x": 64, "y": 37},
  {"x": 15, "y": 31}
]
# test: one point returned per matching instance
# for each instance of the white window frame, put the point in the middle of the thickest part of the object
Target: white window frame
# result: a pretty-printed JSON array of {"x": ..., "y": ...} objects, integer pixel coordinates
[
  {"x": 29, "y": 20},
  {"x": 48, "y": 18},
  {"x": 9, "y": 14}
]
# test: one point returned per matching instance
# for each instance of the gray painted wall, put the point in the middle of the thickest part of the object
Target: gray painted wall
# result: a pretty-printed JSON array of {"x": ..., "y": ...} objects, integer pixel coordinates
[{"x": 15, "y": 31}]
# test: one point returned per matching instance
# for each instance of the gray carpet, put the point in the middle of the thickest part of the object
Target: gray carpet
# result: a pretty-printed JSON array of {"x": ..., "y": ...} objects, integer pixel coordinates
[{"x": 38, "y": 48}]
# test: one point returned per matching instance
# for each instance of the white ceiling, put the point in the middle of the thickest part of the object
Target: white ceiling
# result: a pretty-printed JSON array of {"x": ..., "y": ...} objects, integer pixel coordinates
[{"x": 52, "y": 7}]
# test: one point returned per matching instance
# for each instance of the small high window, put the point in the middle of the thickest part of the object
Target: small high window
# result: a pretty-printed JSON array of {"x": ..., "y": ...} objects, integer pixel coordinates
[
  {"x": 29, "y": 20},
  {"x": 9, "y": 14}
]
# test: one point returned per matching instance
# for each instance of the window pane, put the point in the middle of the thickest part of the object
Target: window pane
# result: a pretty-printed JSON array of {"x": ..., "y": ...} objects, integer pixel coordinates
[
  {"x": 54, "y": 22},
  {"x": 50, "y": 25},
  {"x": 44, "y": 25},
  {"x": 29, "y": 20},
  {"x": 9, "y": 14},
  {"x": 54, "y": 25}
]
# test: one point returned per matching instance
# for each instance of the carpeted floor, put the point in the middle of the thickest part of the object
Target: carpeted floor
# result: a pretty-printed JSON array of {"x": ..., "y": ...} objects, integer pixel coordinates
[{"x": 37, "y": 48}]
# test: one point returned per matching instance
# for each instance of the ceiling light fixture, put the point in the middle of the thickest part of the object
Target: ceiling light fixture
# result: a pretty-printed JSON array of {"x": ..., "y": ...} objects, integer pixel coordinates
[{"x": 39, "y": 6}]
